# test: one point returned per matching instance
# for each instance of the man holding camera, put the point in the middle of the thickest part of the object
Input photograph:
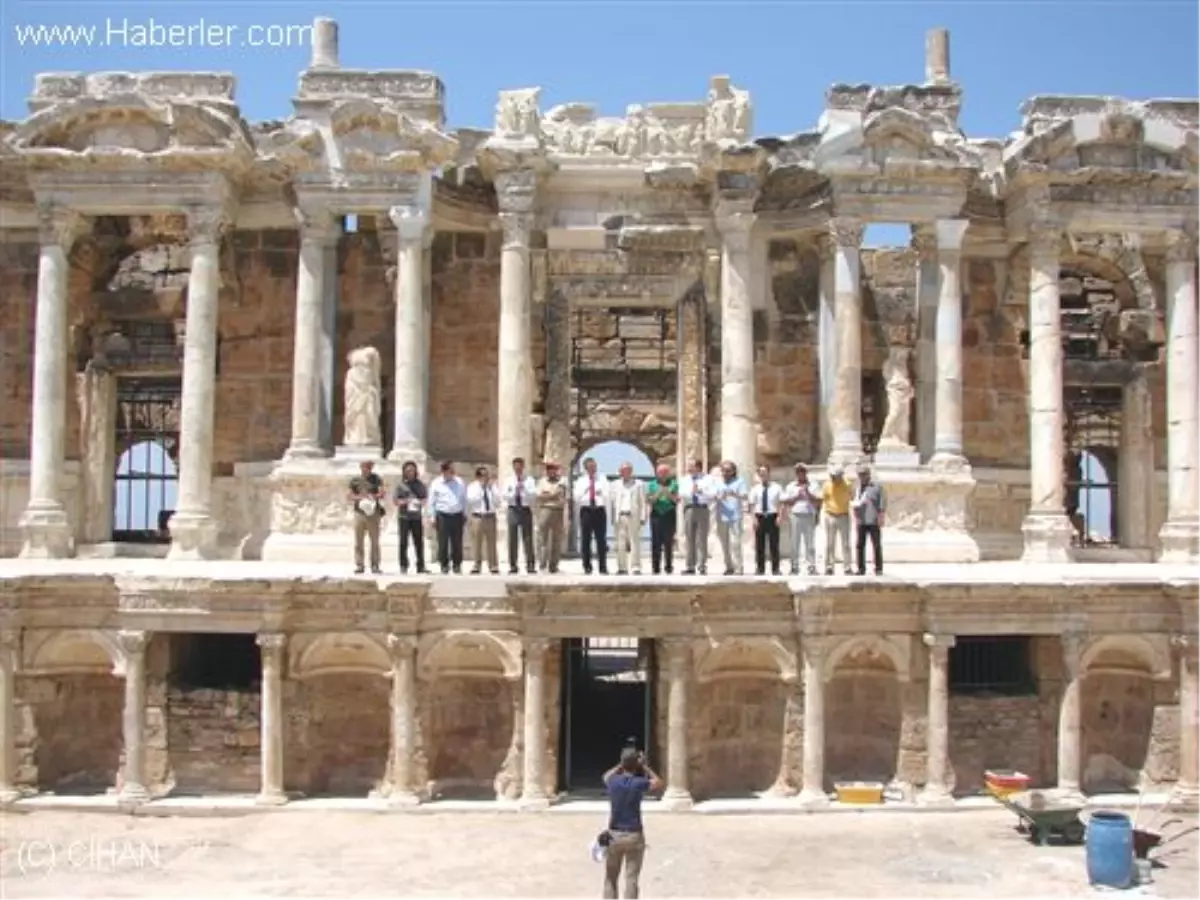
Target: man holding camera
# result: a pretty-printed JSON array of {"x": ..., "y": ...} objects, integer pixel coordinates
[{"x": 626, "y": 783}]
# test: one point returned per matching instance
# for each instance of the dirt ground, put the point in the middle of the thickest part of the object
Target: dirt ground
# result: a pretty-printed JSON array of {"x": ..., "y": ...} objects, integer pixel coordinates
[{"x": 346, "y": 854}]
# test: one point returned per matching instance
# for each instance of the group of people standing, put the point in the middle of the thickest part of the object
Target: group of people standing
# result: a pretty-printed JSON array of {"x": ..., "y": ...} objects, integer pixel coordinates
[{"x": 535, "y": 512}]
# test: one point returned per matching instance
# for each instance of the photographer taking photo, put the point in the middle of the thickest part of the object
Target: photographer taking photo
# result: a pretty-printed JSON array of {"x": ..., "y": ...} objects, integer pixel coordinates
[{"x": 626, "y": 783}]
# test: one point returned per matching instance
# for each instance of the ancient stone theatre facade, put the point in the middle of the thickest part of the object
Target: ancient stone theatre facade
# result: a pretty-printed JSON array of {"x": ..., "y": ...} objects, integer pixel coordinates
[{"x": 208, "y": 322}]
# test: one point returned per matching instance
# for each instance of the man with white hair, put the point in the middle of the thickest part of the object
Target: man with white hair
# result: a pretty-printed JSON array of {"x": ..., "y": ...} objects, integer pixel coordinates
[{"x": 628, "y": 496}]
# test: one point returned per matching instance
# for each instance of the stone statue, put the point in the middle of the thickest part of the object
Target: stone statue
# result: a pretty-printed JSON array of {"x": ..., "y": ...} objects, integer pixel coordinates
[
  {"x": 896, "y": 426},
  {"x": 729, "y": 112},
  {"x": 363, "y": 399},
  {"x": 517, "y": 113}
]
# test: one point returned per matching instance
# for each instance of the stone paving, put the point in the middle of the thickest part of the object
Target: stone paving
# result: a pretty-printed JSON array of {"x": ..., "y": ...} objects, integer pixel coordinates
[{"x": 478, "y": 855}]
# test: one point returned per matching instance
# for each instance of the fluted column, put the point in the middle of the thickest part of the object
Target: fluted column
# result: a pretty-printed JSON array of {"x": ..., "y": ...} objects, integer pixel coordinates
[
  {"x": 924, "y": 242},
  {"x": 193, "y": 529},
  {"x": 948, "y": 427},
  {"x": 812, "y": 791},
  {"x": 1187, "y": 787},
  {"x": 678, "y": 794},
  {"x": 403, "y": 649},
  {"x": 937, "y": 723},
  {"x": 514, "y": 420},
  {"x": 826, "y": 343},
  {"x": 272, "y": 648},
  {"x": 45, "y": 530},
  {"x": 1180, "y": 535},
  {"x": 739, "y": 428},
  {"x": 1069, "y": 711},
  {"x": 847, "y": 235},
  {"x": 1046, "y": 528},
  {"x": 133, "y": 718},
  {"x": 412, "y": 349},
  {"x": 317, "y": 234},
  {"x": 533, "y": 790},
  {"x": 9, "y": 644}
]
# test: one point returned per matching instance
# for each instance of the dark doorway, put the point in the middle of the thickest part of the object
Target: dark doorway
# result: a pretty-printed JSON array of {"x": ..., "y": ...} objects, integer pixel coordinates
[{"x": 607, "y": 699}]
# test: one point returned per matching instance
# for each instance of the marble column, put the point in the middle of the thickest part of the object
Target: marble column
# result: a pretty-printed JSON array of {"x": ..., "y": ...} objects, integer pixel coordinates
[
  {"x": 827, "y": 359},
  {"x": 412, "y": 347},
  {"x": 403, "y": 649},
  {"x": 678, "y": 794},
  {"x": 317, "y": 234},
  {"x": 327, "y": 372},
  {"x": 924, "y": 242},
  {"x": 9, "y": 645},
  {"x": 193, "y": 529},
  {"x": 739, "y": 426},
  {"x": 516, "y": 191},
  {"x": 133, "y": 719},
  {"x": 1046, "y": 529},
  {"x": 1070, "y": 751},
  {"x": 948, "y": 417},
  {"x": 791, "y": 752},
  {"x": 1180, "y": 534},
  {"x": 97, "y": 388},
  {"x": 937, "y": 723},
  {"x": 1135, "y": 461},
  {"x": 846, "y": 235},
  {"x": 1187, "y": 787},
  {"x": 812, "y": 791},
  {"x": 533, "y": 790},
  {"x": 271, "y": 741},
  {"x": 45, "y": 529}
]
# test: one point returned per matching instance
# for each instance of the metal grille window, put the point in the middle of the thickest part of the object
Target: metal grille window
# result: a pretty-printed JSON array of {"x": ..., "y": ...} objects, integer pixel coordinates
[
  {"x": 1093, "y": 437},
  {"x": 146, "y": 481},
  {"x": 992, "y": 665}
]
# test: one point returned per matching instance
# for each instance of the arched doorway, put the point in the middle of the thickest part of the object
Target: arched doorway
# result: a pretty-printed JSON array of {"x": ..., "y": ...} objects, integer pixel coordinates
[
  {"x": 609, "y": 457},
  {"x": 145, "y": 492}
]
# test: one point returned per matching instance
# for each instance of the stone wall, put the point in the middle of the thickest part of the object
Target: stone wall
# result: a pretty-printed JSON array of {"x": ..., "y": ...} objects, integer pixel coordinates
[
  {"x": 996, "y": 733},
  {"x": 736, "y": 735},
  {"x": 18, "y": 294},
  {"x": 338, "y": 734},
  {"x": 69, "y": 737},
  {"x": 213, "y": 740},
  {"x": 1129, "y": 732},
  {"x": 467, "y": 732},
  {"x": 863, "y": 713}
]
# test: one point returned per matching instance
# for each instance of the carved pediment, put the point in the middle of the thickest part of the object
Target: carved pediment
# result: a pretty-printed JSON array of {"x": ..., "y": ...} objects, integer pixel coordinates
[
  {"x": 661, "y": 130},
  {"x": 901, "y": 136}
]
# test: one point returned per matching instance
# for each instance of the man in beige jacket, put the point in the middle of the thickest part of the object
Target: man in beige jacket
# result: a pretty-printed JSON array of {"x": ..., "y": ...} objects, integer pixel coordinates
[{"x": 628, "y": 499}]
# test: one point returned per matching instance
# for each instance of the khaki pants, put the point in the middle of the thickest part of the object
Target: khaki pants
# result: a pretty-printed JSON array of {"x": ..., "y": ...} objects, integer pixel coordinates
[
  {"x": 628, "y": 849},
  {"x": 804, "y": 541},
  {"x": 629, "y": 543},
  {"x": 549, "y": 537},
  {"x": 837, "y": 527},
  {"x": 730, "y": 536},
  {"x": 366, "y": 526},
  {"x": 695, "y": 529},
  {"x": 481, "y": 533}
]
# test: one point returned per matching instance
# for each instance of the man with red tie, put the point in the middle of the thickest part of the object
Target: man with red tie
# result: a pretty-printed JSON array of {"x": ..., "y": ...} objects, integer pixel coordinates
[
  {"x": 519, "y": 494},
  {"x": 591, "y": 499}
]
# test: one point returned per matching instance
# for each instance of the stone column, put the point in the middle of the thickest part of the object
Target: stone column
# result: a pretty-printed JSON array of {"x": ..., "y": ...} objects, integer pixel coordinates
[
  {"x": 826, "y": 343},
  {"x": 1187, "y": 787},
  {"x": 812, "y": 791},
  {"x": 937, "y": 723},
  {"x": 948, "y": 427},
  {"x": 327, "y": 373},
  {"x": 317, "y": 233},
  {"x": 412, "y": 348},
  {"x": 1135, "y": 461},
  {"x": 514, "y": 420},
  {"x": 133, "y": 720},
  {"x": 44, "y": 525},
  {"x": 193, "y": 529},
  {"x": 533, "y": 791},
  {"x": 791, "y": 753},
  {"x": 924, "y": 242},
  {"x": 1180, "y": 535},
  {"x": 98, "y": 442},
  {"x": 9, "y": 645},
  {"x": 1046, "y": 528},
  {"x": 1069, "y": 750},
  {"x": 847, "y": 235},
  {"x": 678, "y": 793},
  {"x": 271, "y": 741},
  {"x": 739, "y": 427},
  {"x": 403, "y": 649}
]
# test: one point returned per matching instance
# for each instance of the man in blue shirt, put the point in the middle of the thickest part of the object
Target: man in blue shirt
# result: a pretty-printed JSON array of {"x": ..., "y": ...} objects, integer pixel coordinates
[{"x": 627, "y": 782}]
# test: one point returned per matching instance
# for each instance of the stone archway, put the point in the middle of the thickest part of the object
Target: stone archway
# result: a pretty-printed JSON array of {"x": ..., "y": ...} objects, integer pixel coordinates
[{"x": 864, "y": 709}]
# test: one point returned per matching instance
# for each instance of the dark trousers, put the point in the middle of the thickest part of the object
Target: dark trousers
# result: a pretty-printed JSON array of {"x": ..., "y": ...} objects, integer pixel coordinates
[
  {"x": 766, "y": 537},
  {"x": 412, "y": 530},
  {"x": 871, "y": 531},
  {"x": 662, "y": 540},
  {"x": 450, "y": 540},
  {"x": 520, "y": 525},
  {"x": 593, "y": 525}
]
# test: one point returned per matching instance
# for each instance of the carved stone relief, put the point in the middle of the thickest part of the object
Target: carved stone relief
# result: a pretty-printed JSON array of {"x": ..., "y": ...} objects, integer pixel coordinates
[{"x": 363, "y": 393}]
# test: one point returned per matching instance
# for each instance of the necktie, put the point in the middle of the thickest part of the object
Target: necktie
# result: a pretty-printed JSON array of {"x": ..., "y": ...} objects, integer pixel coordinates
[
  {"x": 519, "y": 504},
  {"x": 487, "y": 503},
  {"x": 592, "y": 492},
  {"x": 695, "y": 493},
  {"x": 764, "y": 490}
]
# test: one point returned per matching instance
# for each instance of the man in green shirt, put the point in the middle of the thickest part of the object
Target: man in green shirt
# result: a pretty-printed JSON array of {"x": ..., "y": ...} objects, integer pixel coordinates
[{"x": 662, "y": 495}]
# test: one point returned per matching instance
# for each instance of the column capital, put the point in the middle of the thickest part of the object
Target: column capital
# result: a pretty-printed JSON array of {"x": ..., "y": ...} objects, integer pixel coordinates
[
  {"x": 10, "y": 639},
  {"x": 206, "y": 224},
  {"x": 272, "y": 644},
  {"x": 516, "y": 190},
  {"x": 536, "y": 648},
  {"x": 950, "y": 234},
  {"x": 814, "y": 649},
  {"x": 411, "y": 222},
  {"x": 133, "y": 643},
  {"x": 1187, "y": 648},
  {"x": 401, "y": 645},
  {"x": 939, "y": 641},
  {"x": 317, "y": 224},
  {"x": 1181, "y": 245},
  {"x": 1045, "y": 239},
  {"x": 678, "y": 650},
  {"x": 517, "y": 228},
  {"x": 924, "y": 240},
  {"x": 59, "y": 225},
  {"x": 846, "y": 233},
  {"x": 1072, "y": 647}
]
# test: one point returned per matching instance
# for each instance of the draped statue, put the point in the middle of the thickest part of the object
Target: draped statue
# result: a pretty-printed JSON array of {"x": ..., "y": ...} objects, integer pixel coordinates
[
  {"x": 897, "y": 425},
  {"x": 364, "y": 403}
]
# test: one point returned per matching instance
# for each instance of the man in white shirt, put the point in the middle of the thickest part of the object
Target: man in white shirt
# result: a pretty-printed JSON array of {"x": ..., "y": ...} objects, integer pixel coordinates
[
  {"x": 695, "y": 494},
  {"x": 804, "y": 505},
  {"x": 764, "y": 504},
  {"x": 520, "y": 492},
  {"x": 483, "y": 505},
  {"x": 447, "y": 505},
  {"x": 629, "y": 510},
  {"x": 591, "y": 499}
]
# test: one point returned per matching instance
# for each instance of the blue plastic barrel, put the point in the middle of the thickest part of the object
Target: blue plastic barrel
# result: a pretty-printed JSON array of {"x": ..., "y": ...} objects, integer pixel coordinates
[{"x": 1110, "y": 849}]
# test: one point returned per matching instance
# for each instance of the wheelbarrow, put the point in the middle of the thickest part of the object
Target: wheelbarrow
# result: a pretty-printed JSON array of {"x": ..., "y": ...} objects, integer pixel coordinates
[{"x": 1043, "y": 819}]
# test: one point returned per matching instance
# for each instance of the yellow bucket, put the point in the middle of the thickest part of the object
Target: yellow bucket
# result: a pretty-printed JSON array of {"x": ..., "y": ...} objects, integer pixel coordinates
[
  {"x": 1005, "y": 784},
  {"x": 859, "y": 792}
]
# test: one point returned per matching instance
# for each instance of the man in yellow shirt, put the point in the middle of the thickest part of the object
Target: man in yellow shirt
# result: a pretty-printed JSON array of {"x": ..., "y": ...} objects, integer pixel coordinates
[{"x": 835, "y": 506}]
